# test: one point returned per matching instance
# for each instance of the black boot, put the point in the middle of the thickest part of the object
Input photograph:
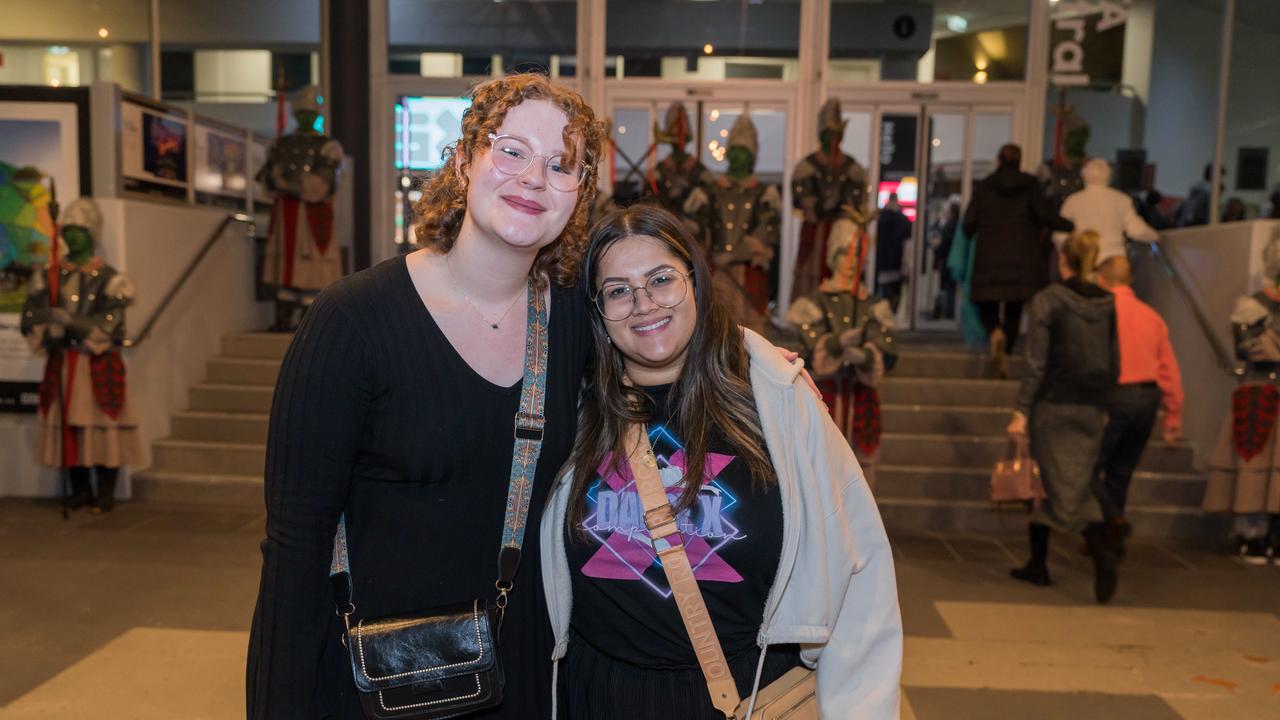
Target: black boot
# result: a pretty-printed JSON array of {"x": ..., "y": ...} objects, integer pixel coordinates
[
  {"x": 81, "y": 492},
  {"x": 1104, "y": 561},
  {"x": 1118, "y": 531},
  {"x": 106, "y": 498},
  {"x": 1036, "y": 571}
]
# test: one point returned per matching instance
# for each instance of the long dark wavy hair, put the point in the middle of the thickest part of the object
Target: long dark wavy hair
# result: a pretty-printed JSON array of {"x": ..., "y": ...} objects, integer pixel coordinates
[{"x": 713, "y": 391}]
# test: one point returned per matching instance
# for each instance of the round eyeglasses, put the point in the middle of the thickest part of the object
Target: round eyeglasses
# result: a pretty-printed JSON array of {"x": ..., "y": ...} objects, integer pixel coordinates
[
  {"x": 513, "y": 156},
  {"x": 666, "y": 289}
]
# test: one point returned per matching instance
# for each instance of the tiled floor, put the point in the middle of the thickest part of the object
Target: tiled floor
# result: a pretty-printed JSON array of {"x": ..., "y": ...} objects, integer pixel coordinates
[{"x": 143, "y": 613}]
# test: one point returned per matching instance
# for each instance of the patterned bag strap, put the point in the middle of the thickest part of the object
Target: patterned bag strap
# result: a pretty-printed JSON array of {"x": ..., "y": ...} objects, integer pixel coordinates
[
  {"x": 528, "y": 430},
  {"x": 660, "y": 519}
]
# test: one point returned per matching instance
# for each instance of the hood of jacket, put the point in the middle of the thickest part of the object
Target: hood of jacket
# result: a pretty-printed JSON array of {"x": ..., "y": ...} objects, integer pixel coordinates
[
  {"x": 1086, "y": 300},
  {"x": 1011, "y": 181}
]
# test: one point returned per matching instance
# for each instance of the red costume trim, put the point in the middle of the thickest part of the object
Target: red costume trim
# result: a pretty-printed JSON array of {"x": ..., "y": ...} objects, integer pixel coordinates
[{"x": 1253, "y": 418}]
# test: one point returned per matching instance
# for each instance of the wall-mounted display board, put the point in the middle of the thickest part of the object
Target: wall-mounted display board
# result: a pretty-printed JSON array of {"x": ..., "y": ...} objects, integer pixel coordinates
[
  {"x": 44, "y": 148},
  {"x": 154, "y": 150},
  {"x": 221, "y": 165},
  {"x": 259, "y": 147}
]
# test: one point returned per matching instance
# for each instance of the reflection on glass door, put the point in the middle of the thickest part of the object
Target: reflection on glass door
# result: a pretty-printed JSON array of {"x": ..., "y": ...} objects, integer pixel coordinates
[
  {"x": 896, "y": 197},
  {"x": 935, "y": 299}
]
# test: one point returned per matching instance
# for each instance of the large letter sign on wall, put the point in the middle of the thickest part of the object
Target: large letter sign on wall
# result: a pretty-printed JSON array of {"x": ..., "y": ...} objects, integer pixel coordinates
[{"x": 1070, "y": 29}]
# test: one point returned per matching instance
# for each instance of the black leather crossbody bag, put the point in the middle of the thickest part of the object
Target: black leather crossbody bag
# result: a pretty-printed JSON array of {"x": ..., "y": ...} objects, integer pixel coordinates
[{"x": 443, "y": 662}]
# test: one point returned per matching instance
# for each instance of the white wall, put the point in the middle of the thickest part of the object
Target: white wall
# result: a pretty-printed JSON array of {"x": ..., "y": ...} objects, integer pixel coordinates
[{"x": 153, "y": 243}]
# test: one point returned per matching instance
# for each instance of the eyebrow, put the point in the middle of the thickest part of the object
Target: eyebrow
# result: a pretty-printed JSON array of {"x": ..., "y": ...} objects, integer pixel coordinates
[
  {"x": 660, "y": 268},
  {"x": 529, "y": 142}
]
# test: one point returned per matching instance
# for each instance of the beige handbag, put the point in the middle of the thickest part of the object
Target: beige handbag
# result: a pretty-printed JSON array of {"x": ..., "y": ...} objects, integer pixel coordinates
[
  {"x": 1016, "y": 478},
  {"x": 794, "y": 696}
]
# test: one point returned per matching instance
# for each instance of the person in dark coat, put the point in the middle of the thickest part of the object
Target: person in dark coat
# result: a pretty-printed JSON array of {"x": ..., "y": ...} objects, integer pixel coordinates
[
  {"x": 1007, "y": 217},
  {"x": 893, "y": 232}
]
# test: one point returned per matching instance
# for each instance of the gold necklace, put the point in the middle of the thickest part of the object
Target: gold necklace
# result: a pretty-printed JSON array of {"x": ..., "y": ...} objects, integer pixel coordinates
[{"x": 493, "y": 325}]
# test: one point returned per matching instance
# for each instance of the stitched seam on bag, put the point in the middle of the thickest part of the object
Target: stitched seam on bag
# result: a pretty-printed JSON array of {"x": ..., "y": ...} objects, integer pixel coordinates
[
  {"x": 383, "y": 702},
  {"x": 478, "y": 658}
]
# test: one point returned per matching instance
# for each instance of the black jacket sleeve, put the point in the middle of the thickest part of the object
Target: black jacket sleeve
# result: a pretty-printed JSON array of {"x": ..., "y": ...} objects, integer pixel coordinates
[
  {"x": 971, "y": 212},
  {"x": 1047, "y": 215},
  {"x": 318, "y": 415}
]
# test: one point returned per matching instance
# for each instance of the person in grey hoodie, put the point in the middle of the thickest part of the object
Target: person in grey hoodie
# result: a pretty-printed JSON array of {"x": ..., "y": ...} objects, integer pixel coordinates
[{"x": 1073, "y": 364}]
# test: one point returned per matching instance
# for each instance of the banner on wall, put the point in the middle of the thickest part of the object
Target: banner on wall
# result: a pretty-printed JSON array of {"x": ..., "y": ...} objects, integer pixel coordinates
[
  {"x": 221, "y": 165},
  {"x": 153, "y": 151},
  {"x": 1087, "y": 42},
  {"x": 38, "y": 141}
]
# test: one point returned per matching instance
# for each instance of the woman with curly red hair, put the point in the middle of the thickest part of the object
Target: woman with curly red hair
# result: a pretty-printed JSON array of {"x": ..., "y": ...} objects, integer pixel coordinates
[{"x": 394, "y": 411}]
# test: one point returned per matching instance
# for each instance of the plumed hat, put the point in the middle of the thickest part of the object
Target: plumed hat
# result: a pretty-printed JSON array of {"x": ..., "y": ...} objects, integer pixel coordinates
[
  {"x": 670, "y": 131},
  {"x": 829, "y": 117},
  {"x": 743, "y": 134},
  {"x": 83, "y": 212}
]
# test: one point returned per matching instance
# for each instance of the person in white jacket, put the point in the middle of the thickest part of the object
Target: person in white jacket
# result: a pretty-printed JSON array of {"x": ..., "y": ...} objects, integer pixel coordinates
[
  {"x": 783, "y": 535},
  {"x": 1104, "y": 210}
]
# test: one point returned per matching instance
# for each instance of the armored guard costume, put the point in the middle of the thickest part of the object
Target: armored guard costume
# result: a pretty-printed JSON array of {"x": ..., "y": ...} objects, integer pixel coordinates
[
  {"x": 81, "y": 331},
  {"x": 741, "y": 215},
  {"x": 1244, "y": 471},
  {"x": 302, "y": 171},
  {"x": 847, "y": 337},
  {"x": 821, "y": 184},
  {"x": 678, "y": 174}
]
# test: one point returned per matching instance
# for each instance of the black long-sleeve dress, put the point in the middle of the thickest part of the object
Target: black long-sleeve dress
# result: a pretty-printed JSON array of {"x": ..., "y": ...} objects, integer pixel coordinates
[{"x": 376, "y": 415}]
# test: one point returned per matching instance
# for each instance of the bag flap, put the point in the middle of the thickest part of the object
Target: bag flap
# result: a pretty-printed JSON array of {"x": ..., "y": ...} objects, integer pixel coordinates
[{"x": 422, "y": 647}]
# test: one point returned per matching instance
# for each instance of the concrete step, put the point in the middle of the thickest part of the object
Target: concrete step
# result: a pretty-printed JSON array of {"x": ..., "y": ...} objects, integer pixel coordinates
[
  {"x": 256, "y": 345},
  {"x": 242, "y": 371},
  {"x": 158, "y": 486},
  {"x": 231, "y": 398},
  {"x": 913, "y": 363},
  {"x": 219, "y": 426},
  {"x": 213, "y": 458},
  {"x": 957, "y": 419},
  {"x": 948, "y": 391},
  {"x": 983, "y": 452},
  {"x": 1160, "y": 522},
  {"x": 944, "y": 484}
]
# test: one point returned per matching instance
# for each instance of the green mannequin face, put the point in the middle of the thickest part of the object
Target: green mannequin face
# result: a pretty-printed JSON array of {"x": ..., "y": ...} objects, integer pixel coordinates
[
  {"x": 741, "y": 162},
  {"x": 309, "y": 121},
  {"x": 79, "y": 243},
  {"x": 829, "y": 136}
]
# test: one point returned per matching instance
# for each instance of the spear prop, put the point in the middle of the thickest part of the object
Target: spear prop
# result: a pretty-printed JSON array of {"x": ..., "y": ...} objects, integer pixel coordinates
[{"x": 55, "y": 299}]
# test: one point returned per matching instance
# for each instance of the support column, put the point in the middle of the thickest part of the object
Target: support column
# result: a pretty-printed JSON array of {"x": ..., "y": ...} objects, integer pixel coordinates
[
  {"x": 1037, "y": 85},
  {"x": 154, "y": 25},
  {"x": 590, "y": 52},
  {"x": 1224, "y": 80},
  {"x": 349, "y": 107}
]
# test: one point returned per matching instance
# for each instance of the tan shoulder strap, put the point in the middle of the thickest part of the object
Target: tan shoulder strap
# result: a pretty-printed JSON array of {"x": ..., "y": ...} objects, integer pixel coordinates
[{"x": 660, "y": 518}]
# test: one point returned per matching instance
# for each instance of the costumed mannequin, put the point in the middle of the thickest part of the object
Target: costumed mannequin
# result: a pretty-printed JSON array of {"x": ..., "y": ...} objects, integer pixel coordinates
[
  {"x": 742, "y": 215},
  {"x": 847, "y": 338},
  {"x": 821, "y": 183},
  {"x": 84, "y": 378},
  {"x": 1244, "y": 471},
  {"x": 679, "y": 173},
  {"x": 302, "y": 171},
  {"x": 1071, "y": 136}
]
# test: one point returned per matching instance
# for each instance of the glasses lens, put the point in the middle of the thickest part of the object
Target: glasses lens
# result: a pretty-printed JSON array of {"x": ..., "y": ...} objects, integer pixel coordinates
[
  {"x": 666, "y": 288},
  {"x": 511, "y": 156},
  {"x": 615, "y": 301},
  {"x": 564, "y": 175}
]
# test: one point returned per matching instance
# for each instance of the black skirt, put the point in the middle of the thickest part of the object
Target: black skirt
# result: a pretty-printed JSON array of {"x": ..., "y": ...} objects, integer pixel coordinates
[{"x": 594, "y": 685}]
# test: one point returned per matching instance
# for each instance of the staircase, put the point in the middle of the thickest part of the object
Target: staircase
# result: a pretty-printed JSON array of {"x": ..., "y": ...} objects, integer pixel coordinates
[
  {"x": 217, "y": 449},
  {"x": 944, "y": 421}
]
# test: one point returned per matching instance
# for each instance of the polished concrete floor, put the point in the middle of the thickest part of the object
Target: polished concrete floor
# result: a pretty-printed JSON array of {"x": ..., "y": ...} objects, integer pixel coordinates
[{"x": 143, "y": 614}]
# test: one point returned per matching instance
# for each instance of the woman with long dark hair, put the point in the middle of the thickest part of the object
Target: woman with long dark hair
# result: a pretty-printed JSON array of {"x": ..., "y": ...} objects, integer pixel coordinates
[{"x": 780, "y": 529}]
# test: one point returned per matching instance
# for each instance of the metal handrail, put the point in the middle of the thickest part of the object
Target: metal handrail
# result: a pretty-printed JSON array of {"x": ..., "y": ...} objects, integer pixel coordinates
[
  {"x": 251, "y": 228},
  {"x": 1225, "y": 358}
]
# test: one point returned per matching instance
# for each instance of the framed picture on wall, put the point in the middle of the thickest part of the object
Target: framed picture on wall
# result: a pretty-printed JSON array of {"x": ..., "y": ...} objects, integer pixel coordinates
[
  {"x": 259, "y": 147},
  {"x": 221, "y": 165},
  {"x": 154, "y": 150},
  {"x": 1251, "y": 168},
  {"x": 44, "y": 149}
]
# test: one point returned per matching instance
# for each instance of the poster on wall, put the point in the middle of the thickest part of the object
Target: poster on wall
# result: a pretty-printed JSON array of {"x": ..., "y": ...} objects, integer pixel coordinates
[
  {"x": 153, "y": 151},
  {"x": 39, "y": 149},
  {"x": 221, "y": 177},
  {"x": 258, "y": 150}
]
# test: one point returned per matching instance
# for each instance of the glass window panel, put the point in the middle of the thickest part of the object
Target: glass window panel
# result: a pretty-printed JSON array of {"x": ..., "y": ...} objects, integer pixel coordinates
[
  {"x": 975, "y": 40},
  {"x": 990, "y": 131},
  {"x": 935, "y": 291},
  {"x": 457, "y": 38},
  {"x": 630, "y": 162},
  {"x": 62, "y": 43},
  {"x": 857, "y": 135},
  {"x": 703, "y": 39},
  {"x": 1251, "y": 159},
  {"x": 771, "y": 132}
]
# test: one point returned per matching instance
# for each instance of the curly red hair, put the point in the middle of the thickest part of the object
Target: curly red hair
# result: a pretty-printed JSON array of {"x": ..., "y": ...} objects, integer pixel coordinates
[{"x": 444, "y": 195}]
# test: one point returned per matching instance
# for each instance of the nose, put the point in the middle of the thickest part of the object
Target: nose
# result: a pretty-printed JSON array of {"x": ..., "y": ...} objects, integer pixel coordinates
[
  {"x": 642, "y": 302},
  {"x": 535, "y": 176}
]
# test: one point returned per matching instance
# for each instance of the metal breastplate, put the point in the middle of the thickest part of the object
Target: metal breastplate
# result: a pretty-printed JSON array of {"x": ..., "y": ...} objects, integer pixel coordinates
[{"x": 296, "y": 155}]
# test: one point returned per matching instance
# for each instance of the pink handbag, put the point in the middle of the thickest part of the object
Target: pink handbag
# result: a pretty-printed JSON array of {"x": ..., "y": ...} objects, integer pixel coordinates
[{"x": 1016, "y": 478}]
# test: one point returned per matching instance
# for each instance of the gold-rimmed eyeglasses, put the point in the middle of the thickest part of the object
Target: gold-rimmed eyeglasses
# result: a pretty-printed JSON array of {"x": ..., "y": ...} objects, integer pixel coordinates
[
  {"x": 513, "y": 156},
  {"x": 666, "y": 289}
]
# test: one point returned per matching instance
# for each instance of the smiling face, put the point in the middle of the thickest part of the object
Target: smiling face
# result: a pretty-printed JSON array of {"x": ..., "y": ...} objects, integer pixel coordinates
[
  {"x": 522, "y": 211},
  {"x": 653, "y": 340}
]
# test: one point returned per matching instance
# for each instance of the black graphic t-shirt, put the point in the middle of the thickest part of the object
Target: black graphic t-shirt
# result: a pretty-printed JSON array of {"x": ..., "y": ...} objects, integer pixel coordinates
[{"x": 622, "y": 604}]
